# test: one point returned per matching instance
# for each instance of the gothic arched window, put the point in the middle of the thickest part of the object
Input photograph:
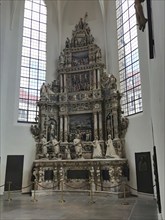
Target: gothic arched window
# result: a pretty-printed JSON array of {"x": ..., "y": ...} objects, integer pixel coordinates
[
  {"x": 128, "y": 54},
  {"x": 33, "y": 62}
]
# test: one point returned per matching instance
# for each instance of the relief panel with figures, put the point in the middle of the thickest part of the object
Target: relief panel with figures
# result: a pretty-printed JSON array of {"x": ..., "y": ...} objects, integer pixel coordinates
[
  {"x": 81, "y": 124},
  {"x": 80, "y": 58},
  {"x": 79, "y": 81}
]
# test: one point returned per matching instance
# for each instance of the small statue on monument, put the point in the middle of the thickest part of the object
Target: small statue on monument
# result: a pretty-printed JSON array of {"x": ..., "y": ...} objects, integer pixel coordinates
[
  {"x": 35, "y": 131},
  {"x": 98, "y": 55},
  {"x": 34, "y": 175},
  {"x": 67, "y": 153},
  {"x": 56, "y": 146},
  {"x": 61, "y": 59},
  {"x": 81, "y": 24},
  {"x": 44, "y": 144},
  {"x": 51, "y": 130},
  {"x": 49, "y": 90},
  {"x": 120, "y": 148},
  {"x": 97, "y": 152},
  {"x": 78, "y": 146},
  {"x": 44, "y": 91},
  {"x": 41, "y": 174},
  {"x": 110, "y": 152},
  {"x": 67, "y": 43}
]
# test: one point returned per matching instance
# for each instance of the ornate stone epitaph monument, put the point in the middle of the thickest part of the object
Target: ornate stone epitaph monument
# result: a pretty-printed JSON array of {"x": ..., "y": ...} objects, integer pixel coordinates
[{"x": 80, "y": 120}]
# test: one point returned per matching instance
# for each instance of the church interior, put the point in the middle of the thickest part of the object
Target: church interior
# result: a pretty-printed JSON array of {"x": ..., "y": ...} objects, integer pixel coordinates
[{"x": 82, "y": 107}]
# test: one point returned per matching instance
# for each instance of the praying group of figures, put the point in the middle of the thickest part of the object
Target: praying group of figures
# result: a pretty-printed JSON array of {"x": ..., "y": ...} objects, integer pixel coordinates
[
  {"x": 78, "y": 147},
  {"x": 55, "y": 147},
  {"x": 110, "y": 151}
]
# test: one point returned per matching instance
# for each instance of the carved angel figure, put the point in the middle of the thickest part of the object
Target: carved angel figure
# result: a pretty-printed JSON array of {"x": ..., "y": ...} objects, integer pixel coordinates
[
  {"x": 49, "y": 90},
  {"x": 124, "y": 126},
  {"x": 105, "y": 80},
  {"x": 34, "y": 130},
  {"x": 43, "y": 91}
]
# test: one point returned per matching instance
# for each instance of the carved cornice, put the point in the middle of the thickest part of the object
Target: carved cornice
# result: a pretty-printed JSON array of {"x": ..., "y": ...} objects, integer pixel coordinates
[
  {"x": 80, "y": 162},
  {"x": 74, "y": 69}
]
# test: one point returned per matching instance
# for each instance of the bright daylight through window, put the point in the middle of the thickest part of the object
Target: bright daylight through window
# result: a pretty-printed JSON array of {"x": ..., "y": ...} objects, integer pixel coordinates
[
  {"x": 128, "y": 54},
  {"x": 33, "y": 64}
]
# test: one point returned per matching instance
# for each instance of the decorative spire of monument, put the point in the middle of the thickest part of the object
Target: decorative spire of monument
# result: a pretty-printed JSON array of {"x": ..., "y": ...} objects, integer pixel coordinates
[
  {"x": 81, "y": 35},
  {"x": 85, "y": 17}
]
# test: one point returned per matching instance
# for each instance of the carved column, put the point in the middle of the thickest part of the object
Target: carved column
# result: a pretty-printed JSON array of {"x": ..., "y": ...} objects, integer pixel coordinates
[
  {"x": 64, "y": 82},
  {"x": 43, "y": 113},
  {"x": 100, "y": 126},
  {"x": 98, "y": 78},
  {"x": 115, "y": 120},
  {"x": 61, "y": 83},
  {"x": 61, "y": 173},
  {"x": 92, "y": 179},
  {"x": 43, "y": 123},
  {"x": 118, "y": 173},
  {"x": 55, "y": 174},
  {"x": 40, "y": 177},
  {"x": 98, "y": 179},
  {"x": 95, "y": 124},
  {"x": 61, "y": 127},
  {"x": 112, "y": 177},
  {"x": 65, "y": 128},
  {"x": 94, "y": 79},
  {"x": 115, "y": 172}
]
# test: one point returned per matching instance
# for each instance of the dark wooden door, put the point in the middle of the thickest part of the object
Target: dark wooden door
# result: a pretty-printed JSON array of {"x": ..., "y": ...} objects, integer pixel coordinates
[
  {"x": 144, "y": 172},
  {"x": 14, "y": 172}
]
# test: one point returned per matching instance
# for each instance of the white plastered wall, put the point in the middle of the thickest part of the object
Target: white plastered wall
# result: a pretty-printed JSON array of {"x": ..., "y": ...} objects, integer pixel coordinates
[
  {"x": 157, "y": 81},
  {"x": 53, "y": 41},
  {"x": 15, "y": 138}
]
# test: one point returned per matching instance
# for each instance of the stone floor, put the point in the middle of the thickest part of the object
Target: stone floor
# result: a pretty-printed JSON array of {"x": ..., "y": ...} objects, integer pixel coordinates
[{"x": 77, "y": 206}]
